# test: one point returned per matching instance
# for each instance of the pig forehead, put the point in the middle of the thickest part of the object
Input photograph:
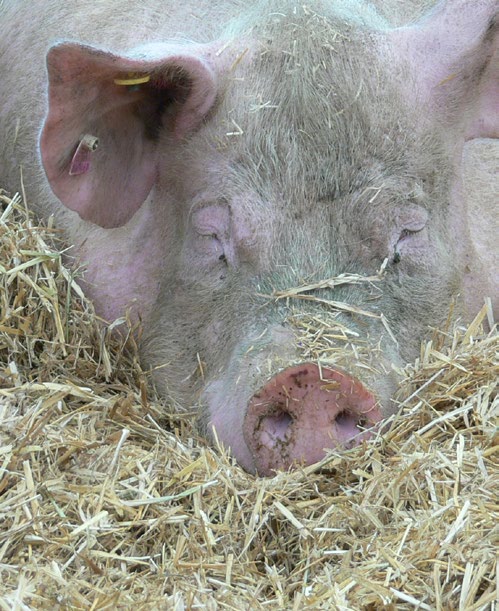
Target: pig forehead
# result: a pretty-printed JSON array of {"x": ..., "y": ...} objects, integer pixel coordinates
[
  {"x": 311, "y": 110},
  {"x": 323, "y": 44},
  {"x": 313, "y": 102},
  {"x": 323, "y": 20}
]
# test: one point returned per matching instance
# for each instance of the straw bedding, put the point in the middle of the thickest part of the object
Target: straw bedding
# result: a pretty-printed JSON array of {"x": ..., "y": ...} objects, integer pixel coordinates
[{"x": 108, "y": 501}]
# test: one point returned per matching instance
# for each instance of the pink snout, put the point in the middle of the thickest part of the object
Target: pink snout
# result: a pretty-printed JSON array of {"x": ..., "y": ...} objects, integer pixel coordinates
[{"x": 302, "y": 412}]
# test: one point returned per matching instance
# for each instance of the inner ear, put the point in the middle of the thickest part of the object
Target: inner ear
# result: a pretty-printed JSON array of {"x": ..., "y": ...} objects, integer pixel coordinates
[
  {"x": 162, "y": 100},
  {"x": 157, "y": 107}
]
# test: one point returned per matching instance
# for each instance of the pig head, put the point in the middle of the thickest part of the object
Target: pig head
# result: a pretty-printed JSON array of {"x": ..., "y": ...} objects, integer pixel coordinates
[{"x": 281, "y": 204}]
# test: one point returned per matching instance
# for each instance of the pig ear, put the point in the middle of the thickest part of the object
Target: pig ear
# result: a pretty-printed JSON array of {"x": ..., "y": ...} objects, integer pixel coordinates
[
  {"x": 454, "y": 52},
  {"x": 99, "y": 140}
]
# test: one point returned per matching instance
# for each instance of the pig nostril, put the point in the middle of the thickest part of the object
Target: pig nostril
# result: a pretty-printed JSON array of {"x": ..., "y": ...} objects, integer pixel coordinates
[
  {"x": 345, "y": 418},
  {"x": 275, "y": 426},
  {"x": 349, "y": 426}
]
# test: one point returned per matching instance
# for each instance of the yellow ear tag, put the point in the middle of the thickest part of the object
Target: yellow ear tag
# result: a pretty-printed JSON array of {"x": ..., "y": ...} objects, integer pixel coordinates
[{"x": 133, "y": 79}]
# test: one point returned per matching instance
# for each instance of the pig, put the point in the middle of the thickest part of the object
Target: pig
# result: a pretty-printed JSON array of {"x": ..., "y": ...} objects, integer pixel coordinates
[{"x": 275, "y": 190}]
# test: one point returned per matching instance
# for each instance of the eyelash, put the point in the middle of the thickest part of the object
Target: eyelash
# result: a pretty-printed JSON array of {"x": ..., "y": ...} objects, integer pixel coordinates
[
  {"x": 223, "y": 257},
  {"x": 404, "y": 234}
]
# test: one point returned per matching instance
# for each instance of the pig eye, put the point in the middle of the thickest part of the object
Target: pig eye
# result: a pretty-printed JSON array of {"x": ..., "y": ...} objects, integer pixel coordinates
[
  {"x": 209, "y": 245},
  {"x": 410, "y": 237},
  {"x": 210, "y": 224},
  {"x": 407, "y": 232},
  {"x": 411, "y": 242}
]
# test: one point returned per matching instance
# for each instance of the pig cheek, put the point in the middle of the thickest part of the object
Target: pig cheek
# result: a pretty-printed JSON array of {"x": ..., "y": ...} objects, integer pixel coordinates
[
  {"x": 225, "y": 423},
  {"x": 118, "y": 279},
  {"x": 212, "y": 335}
]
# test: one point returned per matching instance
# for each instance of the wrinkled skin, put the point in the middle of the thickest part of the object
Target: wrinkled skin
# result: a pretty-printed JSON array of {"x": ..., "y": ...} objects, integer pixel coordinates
[{"x": 286, "y": 146}]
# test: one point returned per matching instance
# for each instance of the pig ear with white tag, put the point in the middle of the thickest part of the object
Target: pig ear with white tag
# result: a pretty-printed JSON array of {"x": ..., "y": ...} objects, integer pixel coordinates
[
  {"x": 454, "y": 52},
  {"x": 106, "y": 112}
]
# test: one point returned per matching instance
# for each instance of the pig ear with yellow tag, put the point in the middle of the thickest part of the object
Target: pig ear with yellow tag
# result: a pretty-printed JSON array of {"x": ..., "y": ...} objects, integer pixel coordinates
[{"x": 99, "y": 146}]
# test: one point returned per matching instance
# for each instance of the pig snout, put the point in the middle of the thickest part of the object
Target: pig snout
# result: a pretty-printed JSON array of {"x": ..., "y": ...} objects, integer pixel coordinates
[{"x": 302, "y": 412}]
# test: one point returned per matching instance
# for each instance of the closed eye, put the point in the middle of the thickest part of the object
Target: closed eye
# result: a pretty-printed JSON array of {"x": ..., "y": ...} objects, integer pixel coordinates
[
  {"x": 410, "y": 242},
  {"x": 408, "y": 232}
]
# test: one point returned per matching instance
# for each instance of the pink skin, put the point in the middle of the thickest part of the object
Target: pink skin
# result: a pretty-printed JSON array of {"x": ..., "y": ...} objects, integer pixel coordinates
[
  {"x": 123, "y": 279},
  {"x": 302, "y": 412}
]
